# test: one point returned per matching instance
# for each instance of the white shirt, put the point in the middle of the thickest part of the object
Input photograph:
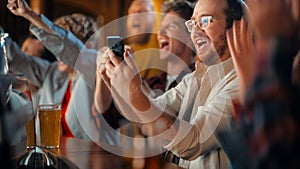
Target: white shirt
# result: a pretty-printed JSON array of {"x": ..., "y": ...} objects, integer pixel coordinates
[{"x": 202, "y": 104}]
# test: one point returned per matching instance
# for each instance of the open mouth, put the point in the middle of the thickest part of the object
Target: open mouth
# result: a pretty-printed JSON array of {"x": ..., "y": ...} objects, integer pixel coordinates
[
  {"x": 163, "y": 44},
  {"x": 202, "y": 45}
]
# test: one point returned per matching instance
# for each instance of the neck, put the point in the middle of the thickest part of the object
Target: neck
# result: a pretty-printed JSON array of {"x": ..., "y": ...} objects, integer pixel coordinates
[
  {"x": 225, "y": 56},
  {"x": 72, "y": 75}
]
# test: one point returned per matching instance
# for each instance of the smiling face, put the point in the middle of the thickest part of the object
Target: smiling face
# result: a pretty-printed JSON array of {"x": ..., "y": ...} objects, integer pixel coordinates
[
  {"x": 173, "y": 37},
  {"x": 211, "y": 45},
  {"x": 139, "y": 22}
]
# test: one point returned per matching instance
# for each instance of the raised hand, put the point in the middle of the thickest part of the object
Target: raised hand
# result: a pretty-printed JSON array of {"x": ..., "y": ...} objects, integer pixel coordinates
[
  {"x": 21, "y": 8},
  {"x": 241, "y": 48},
  {"x": 102, "y": 94},
  {"x": 124, "y": 72},
  {"x": 18, "y": 7},
  {"x": 126, "y": 81}
]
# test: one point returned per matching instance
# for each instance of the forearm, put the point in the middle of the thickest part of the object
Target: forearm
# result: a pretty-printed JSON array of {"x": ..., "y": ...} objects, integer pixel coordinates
[
  {"x": 102, "y": 96},
  {"x": 35, "y": 69},
  {"x": 36, "y": 20},
  {"x": 152, "y": 115},
  {"x": 69, "y": 49},
  {"x": 139, "y": 99},
  {"x": 166, "y": 124}
]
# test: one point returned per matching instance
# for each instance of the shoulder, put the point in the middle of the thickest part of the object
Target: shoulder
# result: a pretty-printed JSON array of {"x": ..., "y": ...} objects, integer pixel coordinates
[{"x": 17, "y": 99}]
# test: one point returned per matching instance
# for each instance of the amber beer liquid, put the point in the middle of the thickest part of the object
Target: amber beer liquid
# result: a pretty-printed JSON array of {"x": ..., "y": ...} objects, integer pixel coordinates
[
  {"x": 50, "y": 120},
  {"x": 30, "y": 130}
]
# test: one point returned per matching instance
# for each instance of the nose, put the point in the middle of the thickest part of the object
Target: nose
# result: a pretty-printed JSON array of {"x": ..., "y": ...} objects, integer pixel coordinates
[
  {"x": 197, "y": 30},
  {"x": 162, "y": 31}
]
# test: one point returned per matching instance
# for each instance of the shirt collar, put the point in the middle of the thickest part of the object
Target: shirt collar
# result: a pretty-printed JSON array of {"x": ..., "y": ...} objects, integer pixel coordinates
[{"x": 222, "y": 68}]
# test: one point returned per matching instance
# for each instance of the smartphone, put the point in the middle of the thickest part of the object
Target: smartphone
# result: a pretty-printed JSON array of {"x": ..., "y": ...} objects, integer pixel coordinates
[{"x": 116, "y": 44}]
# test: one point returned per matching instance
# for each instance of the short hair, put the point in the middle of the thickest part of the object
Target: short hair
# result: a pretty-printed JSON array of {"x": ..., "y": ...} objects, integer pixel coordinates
[
  {"x": 233, "y": 11},
  {"x": 149, "y": 2},
  {"x": 81, "y": 25},
  {"x": 46, "y": 54},
  {"x": 184, "y": 8}
]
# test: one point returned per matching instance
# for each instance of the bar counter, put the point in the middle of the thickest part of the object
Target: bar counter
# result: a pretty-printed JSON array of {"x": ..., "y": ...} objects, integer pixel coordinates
[{"x": 88, "y": 155}]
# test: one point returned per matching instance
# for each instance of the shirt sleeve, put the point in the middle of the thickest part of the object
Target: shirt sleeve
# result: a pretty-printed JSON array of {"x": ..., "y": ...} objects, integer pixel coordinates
[
  {"x": 171, "y": 100},
  {"x": 196, "y": 138},
  {"x": 34, "y": 68},
  {"x": 69, "y": 49}
]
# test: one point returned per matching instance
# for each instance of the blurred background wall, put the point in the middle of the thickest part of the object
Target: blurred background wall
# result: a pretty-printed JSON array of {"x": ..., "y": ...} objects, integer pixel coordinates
[{"x": 105, "y": 10}]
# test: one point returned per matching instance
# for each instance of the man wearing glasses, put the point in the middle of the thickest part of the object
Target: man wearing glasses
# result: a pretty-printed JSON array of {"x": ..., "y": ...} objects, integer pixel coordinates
[{"x": 186, "y": 117}]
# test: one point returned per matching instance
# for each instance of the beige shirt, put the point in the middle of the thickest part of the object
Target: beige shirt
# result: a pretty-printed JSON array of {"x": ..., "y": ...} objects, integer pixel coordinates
[{"x": 202, "y": 104}]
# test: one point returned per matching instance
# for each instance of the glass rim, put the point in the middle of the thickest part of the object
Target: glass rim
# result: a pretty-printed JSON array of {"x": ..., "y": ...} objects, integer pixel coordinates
[{"x": 49, "y": 107}]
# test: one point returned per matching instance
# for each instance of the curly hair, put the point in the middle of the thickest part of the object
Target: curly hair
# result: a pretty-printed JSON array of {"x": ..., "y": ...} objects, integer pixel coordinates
[{"x": 81, "y": 25}]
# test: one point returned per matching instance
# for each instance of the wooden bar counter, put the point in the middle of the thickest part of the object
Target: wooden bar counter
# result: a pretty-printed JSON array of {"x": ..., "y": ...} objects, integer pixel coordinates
[{"x": 88, "y": 155}]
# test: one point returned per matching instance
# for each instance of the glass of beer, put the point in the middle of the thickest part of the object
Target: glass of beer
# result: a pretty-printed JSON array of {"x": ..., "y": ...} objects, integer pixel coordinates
[
  {"x": 50, "y": 125},
  {"x": 31, "y": 135}
]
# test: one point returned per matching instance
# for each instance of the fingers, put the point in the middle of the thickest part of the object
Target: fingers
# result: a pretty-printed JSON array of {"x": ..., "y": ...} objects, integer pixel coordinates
[
  {"x": 109, "y": 70},
  {"x": 113, "y": 58},
  {"x": 129, "y": 60},
  {"x": 106, "y": 80},
  {"x": 244, "y": 34},
  {"x": 129, "y": 48},
  {"x": 229, "y": 37},
  {"x": 102, "y": 59},
  {"x": 249, "y": 33},
  {"x": 21, "y": 4},
  {"x": 236, "y": 36},
  {"x": 12, "y": 5},
  {"x": 243, "y": 26}
]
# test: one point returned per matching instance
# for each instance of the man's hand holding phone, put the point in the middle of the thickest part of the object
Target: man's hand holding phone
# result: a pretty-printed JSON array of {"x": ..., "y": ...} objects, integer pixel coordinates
[{"x": 116, "y": 44}]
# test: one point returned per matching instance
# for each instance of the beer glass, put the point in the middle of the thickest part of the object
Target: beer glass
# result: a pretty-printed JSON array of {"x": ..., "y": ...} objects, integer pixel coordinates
[
  {"x": 31, "y": 135},
  {"x": 50, "y": 120}
]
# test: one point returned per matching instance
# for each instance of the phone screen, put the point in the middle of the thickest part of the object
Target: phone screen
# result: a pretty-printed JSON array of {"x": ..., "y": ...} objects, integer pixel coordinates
[{"x": 116, "y": 44}]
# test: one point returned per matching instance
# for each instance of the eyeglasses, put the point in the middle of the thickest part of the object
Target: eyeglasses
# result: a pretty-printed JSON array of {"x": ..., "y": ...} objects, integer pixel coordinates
[{"x": 203, "y": 22}]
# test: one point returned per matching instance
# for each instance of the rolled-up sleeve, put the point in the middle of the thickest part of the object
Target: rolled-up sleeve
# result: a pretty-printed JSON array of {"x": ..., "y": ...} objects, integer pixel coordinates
[
  {"x": 63, "y": 44},
  {"x": 69, "y": 49},
  {"x": 196, "y": 137}
]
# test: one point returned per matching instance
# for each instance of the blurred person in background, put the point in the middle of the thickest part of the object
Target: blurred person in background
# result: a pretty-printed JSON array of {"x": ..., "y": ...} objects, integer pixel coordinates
[
  {"x": 17, "y": 110},
  {"x": 58, "y": 82},
  {"x": 268, "y": 109},
  {"x": 176, "y": 48},
  {"x": 186, "y": 117},
  {"x": 67, "y": 47},
  {"x": 33, "y": 47},
  {"x": 141, "y": 28}
]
